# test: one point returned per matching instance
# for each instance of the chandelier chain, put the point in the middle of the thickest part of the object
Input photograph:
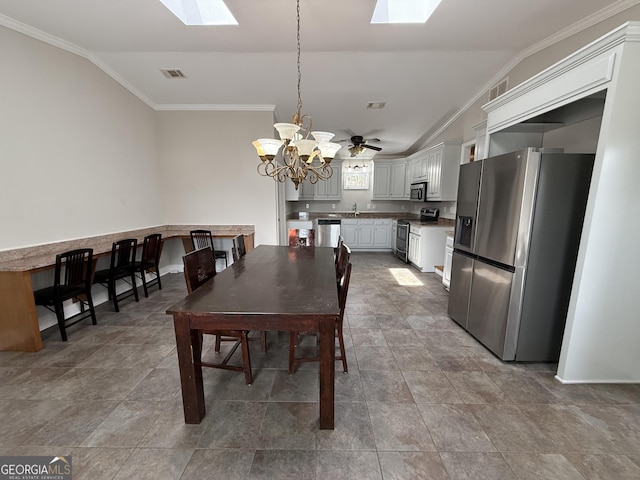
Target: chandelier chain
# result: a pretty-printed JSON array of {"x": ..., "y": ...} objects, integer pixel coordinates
[
  {"x": 298, "y": 56},
  {"x": 300, "y": 158}
]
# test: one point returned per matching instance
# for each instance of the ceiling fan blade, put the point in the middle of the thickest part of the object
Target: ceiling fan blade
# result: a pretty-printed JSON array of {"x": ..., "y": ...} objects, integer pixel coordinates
[
  {"x": 372, "y": 140},
  {"x": 377, "y": 149},
  {"x": 371, "y": 133},
  {"x": 350, "y": 132}
]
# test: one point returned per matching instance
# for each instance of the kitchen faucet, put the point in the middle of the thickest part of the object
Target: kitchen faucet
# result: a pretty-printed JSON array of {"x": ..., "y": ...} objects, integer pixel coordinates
[{"x": 355, "y": 209}]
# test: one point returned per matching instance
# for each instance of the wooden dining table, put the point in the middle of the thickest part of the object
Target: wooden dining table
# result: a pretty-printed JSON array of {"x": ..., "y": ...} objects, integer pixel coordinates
[{"x": 271, "y": 288}]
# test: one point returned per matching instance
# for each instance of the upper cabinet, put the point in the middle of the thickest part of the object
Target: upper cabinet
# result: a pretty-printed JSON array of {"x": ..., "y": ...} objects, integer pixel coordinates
[
  {"x": 420, "y": 163},
  {"x": 389, "y": 179},
  {"x": 329, "y": 189},
  {"x": 442, "y": 166}
]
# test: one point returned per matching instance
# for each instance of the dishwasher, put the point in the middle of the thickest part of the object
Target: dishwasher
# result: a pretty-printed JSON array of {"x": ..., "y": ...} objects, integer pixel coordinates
[{"x": 327, "y": 232}]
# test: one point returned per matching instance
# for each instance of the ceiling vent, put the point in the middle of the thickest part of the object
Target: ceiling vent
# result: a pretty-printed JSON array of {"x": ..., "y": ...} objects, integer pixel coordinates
[
  {"x": 498, "y": 90},
  {"x": 172, "y": 73},
  {"x": 376, "y": 105}
]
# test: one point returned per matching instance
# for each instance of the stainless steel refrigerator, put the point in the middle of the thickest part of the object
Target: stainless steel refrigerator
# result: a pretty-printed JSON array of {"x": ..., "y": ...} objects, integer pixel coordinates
[{"x": 518, "y": 226}]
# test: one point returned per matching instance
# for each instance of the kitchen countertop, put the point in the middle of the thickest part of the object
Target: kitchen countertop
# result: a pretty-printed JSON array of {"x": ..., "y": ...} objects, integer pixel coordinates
[{"x": 412, "y": 217}]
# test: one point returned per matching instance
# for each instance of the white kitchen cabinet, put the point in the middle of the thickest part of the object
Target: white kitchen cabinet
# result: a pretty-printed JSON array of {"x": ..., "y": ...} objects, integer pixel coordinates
[
  {"x": 382, "y": 233},
  {"x": 427, "y": 246},
  {"x": 349, "y": 232},
  {"x": 414, "y": 250},
  {"x": 443, "y": 163},
  {"x": 420, "y": 162},
  {"x": 448, "y": 260},
  {"x": 381, "y": 180},
  {"x": 398, "y": 178},
  {"x": 330, "y": 189},
  {"x": 408, "y": 177},
  {"x": 307, "y": 190},
  {"x": 367, "y": 233},
  {"x": 389, "y": 179},
  {"x": 394, "y": 234}
]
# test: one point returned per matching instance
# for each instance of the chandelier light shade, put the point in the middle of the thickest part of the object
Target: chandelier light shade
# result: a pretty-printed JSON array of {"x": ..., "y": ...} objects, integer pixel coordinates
[{"x": 295, "y": 156}]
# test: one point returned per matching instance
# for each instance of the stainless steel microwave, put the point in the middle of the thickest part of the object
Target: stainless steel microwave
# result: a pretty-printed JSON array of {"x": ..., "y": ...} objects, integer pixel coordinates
[{"x": 418, "y": 192}]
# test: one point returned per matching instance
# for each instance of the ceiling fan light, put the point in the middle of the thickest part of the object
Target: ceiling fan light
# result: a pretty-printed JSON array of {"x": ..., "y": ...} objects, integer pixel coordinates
[
  {"x": 355, "y": 150},
  {"x": 323, "y": 137},
  {"x": 287, "y": 131}
]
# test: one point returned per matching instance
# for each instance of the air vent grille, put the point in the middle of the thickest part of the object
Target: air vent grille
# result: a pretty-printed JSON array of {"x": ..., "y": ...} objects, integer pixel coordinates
[
  {"x": 376, "y": 105},
  {"x": 173, "y": 73},
  {"x": 499, "y": 89}
]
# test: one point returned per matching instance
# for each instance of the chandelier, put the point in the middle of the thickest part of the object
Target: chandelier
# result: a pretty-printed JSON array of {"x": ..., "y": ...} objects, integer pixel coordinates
[{"x": 302, "y": 157}]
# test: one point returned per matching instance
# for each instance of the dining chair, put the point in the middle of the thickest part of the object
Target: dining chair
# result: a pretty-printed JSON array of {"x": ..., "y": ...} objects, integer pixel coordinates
[
  {"x": 203, "y": 238},
  {"x": 239, "y": 249},
  {"x": 338, "y": 247},
  {"x": 301, "y": 237},
  {"x": 294, "y": 336},
  {"x": 199, "y": 268},
  {"x": 72, "y": 280},
  {"x": 342, "y": 260},
  {"x": 121, "y": 267},
  {"x": 150, "y": 262}
]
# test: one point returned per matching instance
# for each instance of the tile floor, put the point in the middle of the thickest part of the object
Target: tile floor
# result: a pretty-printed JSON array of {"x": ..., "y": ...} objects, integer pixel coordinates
[{"x": 422, "y": 400}]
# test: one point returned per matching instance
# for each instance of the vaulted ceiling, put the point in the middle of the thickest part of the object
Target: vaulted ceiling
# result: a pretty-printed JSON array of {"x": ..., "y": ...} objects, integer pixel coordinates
[{"x": 424, "y": 72}]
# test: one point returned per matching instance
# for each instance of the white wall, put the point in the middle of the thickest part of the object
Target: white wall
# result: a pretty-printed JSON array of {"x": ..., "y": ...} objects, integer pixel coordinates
[
  {"x": 77, "y": 150},
  {"x": 81, "y": 156},
  {"x": 208, "y": 169}
]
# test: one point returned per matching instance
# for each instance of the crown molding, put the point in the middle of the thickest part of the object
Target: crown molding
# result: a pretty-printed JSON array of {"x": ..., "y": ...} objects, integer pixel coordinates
[
  {"x": 42, "y": 36},
  {"x": 597, "y": 17},
  {"x": 118, "y": 78}
]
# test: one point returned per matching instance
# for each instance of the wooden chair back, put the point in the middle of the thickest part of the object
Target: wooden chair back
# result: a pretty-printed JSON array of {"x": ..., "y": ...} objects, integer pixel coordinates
[
  {"x": 151, "y": 249},
  {"x": 343, "y": 290},
  {"x": 199, "y": 267},
  {"x": 344, "y": 254},
  {"x": 239, "y": 248},
  {"x": 123, "y": 255},
  {"x": 73, "y": 269}
]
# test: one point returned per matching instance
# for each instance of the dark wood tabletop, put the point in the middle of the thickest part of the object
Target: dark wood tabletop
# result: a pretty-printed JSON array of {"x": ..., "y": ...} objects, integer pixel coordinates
[{"x": 271, "y": 288}]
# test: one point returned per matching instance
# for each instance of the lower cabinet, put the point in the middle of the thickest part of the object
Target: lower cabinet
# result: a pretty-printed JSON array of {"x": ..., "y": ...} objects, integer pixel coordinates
[
  {"x": 366, "y": 233},
  {"x": 448, "y": 259},
  {"x": 427, "y": 247},
  {"x": 414, "y": 250}
]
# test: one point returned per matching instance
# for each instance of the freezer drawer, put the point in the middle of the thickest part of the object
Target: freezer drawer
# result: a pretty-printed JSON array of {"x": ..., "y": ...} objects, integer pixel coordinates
[
  {"x": 489, "y": 306},
  {"x": 460, "y": 288}
]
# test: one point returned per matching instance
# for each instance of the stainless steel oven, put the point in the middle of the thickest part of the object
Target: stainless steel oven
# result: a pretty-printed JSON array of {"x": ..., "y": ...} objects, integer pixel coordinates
[{"x": 402, "y": 240}]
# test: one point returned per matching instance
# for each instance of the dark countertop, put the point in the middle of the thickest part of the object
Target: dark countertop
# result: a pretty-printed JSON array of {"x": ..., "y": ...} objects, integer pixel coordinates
[
  {"x": 412, "y": 217},
  {"x": 392, "y": 215}
]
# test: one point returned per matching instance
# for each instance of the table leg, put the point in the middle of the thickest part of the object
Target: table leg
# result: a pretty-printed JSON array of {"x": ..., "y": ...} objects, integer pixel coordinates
[
  {"x": 327, "y": 329},
  {"x": 188, "y": 346}
]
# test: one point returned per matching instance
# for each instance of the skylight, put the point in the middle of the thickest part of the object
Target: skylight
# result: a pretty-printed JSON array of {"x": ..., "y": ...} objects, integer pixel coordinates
[
  {"x": 201, "y": 12},
  {"x": 403, "y": 11}
]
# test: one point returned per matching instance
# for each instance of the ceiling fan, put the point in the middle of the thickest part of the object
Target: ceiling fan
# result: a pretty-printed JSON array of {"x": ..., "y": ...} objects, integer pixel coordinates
[{"x": 359, "y": 143}]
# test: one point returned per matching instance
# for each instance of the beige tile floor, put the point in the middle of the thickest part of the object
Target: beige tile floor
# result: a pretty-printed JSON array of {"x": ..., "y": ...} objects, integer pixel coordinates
[{"x": 422, "y": 400}]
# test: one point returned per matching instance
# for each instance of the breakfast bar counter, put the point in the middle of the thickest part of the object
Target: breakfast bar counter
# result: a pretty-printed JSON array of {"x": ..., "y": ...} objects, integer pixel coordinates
[{"x": 19, "y": 328}]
